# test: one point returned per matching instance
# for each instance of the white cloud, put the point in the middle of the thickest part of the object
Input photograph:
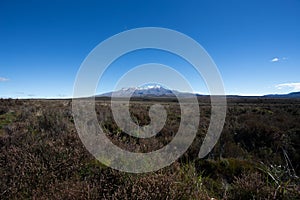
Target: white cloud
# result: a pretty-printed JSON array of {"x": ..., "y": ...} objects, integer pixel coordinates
[
  {"x": 276, "y": 59},
  {"x": 2, "y": 79},
  {"x": 293, "y": 86}
]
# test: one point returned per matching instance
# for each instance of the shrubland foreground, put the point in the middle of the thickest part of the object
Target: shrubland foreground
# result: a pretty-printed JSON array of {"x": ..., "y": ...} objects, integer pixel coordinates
[{"x": 257, "y": 156}]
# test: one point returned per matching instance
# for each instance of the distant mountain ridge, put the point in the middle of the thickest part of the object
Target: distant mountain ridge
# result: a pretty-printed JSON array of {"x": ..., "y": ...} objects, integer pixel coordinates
[
  {"x": 290, "y": 95},
  {"x": 155, "y": 90},
  {"x": 147, "y": 91}
]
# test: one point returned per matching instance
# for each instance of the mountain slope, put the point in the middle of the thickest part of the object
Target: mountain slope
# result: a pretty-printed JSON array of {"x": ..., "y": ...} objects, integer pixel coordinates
[
  {"x": 290, "y": 95},
  {"x": 147, "y": 91}
]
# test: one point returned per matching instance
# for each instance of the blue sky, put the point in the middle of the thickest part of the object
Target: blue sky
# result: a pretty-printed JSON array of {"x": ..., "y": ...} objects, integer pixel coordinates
[{"x": 255, "y": 44}]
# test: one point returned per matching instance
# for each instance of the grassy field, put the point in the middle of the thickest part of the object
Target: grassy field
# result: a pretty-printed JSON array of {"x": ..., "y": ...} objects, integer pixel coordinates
[{"x": 256, "y": 157}]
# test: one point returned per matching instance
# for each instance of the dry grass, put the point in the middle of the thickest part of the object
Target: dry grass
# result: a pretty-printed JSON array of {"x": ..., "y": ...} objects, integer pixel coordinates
[{"x": 42, "y": 157}]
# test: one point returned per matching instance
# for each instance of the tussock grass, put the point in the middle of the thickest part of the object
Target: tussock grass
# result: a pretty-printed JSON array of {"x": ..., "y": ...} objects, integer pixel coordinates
[{"x": 257, "y": 156}]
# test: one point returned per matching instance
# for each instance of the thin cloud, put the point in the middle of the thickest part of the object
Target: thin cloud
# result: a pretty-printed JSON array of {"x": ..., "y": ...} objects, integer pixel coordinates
[
  {"x": 2, "y": 79},
  {"x": 293, "y": 86},
  {"x": 276, "y": 59},
  {"x": 62, "y": 95}
]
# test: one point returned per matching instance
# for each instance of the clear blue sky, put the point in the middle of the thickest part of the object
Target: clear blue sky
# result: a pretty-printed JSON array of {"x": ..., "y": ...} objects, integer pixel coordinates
[{"x": 254, "y": 43}]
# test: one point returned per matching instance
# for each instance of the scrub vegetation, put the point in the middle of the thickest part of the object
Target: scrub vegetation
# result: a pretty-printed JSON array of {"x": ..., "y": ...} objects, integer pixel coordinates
[{"x": 256, "y": 157}]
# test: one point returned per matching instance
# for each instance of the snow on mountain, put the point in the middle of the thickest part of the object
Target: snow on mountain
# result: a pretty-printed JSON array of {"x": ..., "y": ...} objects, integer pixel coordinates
[{"x": 149, "y": 90}]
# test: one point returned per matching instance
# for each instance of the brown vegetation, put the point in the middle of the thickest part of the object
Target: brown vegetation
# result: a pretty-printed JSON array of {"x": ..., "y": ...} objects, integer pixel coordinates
[{"x": 257, "y": 156}]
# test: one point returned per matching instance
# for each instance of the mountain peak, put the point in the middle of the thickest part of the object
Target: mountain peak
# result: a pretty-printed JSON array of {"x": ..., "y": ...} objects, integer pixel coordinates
[
  {"x": 150, "y": 86},
  {"x": 147, "y": 90}
]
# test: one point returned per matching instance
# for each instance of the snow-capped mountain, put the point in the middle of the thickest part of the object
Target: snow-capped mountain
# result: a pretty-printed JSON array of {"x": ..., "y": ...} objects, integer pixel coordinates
[{"x": 150, "y": 90}]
